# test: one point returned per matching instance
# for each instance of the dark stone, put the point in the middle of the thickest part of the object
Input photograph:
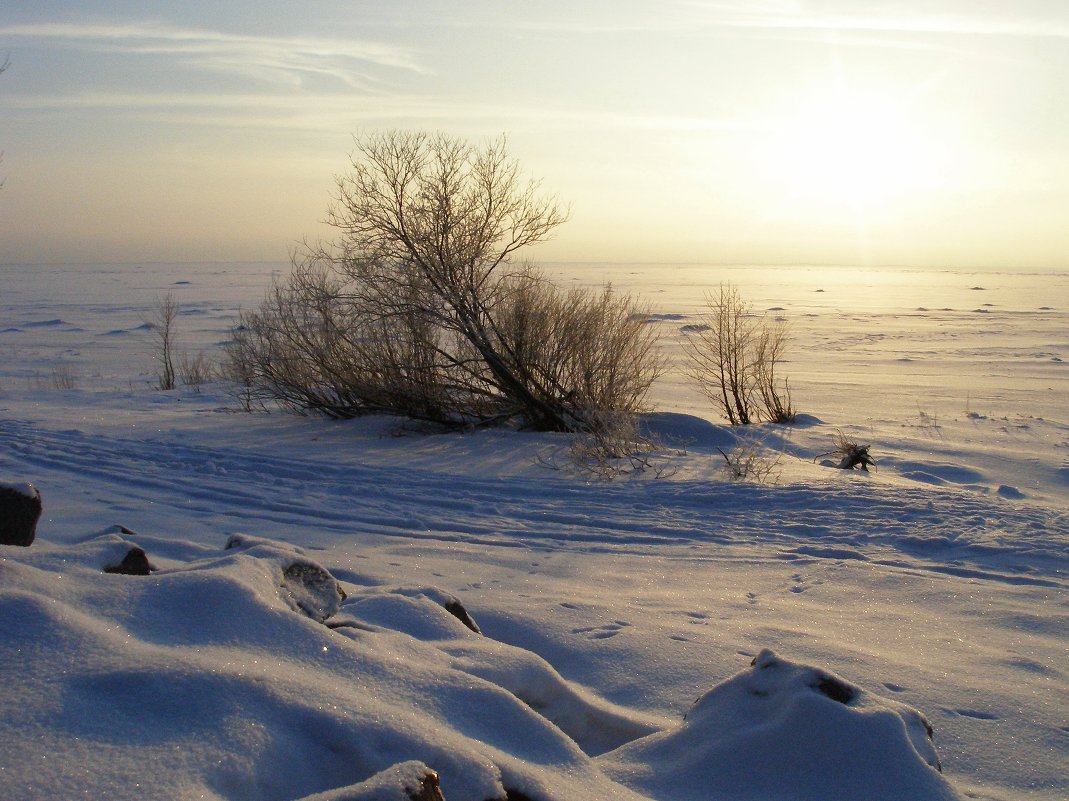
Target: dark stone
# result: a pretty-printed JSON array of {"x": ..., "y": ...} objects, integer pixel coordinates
[
  {"x": 457, "y": 610},
  {"x": 135, "y": 563},
  {"x": 20, "y": 509}
]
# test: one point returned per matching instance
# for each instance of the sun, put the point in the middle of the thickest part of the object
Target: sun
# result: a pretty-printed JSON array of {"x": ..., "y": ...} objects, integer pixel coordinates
[{"x": 850, "y": 152}]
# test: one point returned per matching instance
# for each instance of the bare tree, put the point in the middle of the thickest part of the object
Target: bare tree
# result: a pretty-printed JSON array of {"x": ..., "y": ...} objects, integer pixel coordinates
[
  {"x": 162, "y": 321},
  {"x": 734, "y": 357},
  {"x": 719, "y": 354},
  {"x": 417, "y": 308},
  {"x": 769, "y": 347}
]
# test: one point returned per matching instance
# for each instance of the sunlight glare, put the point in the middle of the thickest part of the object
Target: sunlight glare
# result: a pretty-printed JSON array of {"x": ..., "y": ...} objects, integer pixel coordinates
[{"x": 852, "y": 152}]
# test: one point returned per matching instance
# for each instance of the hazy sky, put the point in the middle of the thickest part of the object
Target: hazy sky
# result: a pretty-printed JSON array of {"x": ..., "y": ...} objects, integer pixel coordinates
[{"x": 843, "y": 131}]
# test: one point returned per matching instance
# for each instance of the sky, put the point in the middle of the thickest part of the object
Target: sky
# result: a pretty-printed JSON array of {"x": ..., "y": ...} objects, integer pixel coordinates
[{"x": 921, "y": 133}]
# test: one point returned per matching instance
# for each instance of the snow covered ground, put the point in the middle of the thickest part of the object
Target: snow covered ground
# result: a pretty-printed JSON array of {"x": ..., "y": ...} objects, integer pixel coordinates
[{"x": 237, "y": 669}]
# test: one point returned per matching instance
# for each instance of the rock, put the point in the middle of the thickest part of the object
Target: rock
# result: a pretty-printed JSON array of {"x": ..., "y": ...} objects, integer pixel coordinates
[
  {"x": 457, "y": 610},
  {"x": 311, "y": 589},
  {"x": 135, "y": 563},
  {"x": 20, "y": 509}
]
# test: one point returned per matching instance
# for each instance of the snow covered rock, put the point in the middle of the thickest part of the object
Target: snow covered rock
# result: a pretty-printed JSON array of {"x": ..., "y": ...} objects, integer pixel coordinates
[
  {"x": 406, "y": 781},
  {"x": 787, "y": 731},
  {"x": 20, "y": 509},
  {"x": 134, "y": 563},
  {"x": 311, "y": 589},
  {"x": 304, "y": 585}
]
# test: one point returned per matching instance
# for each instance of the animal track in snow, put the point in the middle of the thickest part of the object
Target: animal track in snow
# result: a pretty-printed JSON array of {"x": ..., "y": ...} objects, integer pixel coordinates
[
  {"x": 972, "y": 713},
  {"x": 602, "y": 632},
  {"x": 803, "y": 583}
]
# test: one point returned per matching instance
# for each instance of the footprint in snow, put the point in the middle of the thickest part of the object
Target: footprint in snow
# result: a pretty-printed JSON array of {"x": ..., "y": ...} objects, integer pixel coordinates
[
  {"x": 602, "y": 632},
  {"x": 803, "y": 583},
  {"x": 976, "y": 714}
]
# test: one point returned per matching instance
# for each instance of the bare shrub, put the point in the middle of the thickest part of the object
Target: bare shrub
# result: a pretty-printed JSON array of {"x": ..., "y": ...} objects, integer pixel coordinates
[
  {"x": 733, "y": 357},
  {"x": 719, "y": 355},
  {"x": 416, "y": 309},
  {"x": 63, "y": 377},
  {"x": 929, "y": 422},
  {"x": 239, "y": 373},
  {"x": 162, "y": 322},
  {"x": 590, "y": 353},
  {"x": 749, "y": 461},
  {"x": 195, "y": 370},
  {"x": 612, "y": 448},
  {"x": 775, "y": 394}
]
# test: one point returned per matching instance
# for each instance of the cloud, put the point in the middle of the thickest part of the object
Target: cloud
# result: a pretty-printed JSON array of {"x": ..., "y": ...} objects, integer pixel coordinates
[
  {"x": 773, "y": 18},
  {"x": 278, "y": 58},
  {"x": 1046, "y": 21},
  {"x": 321, "y": 112}
]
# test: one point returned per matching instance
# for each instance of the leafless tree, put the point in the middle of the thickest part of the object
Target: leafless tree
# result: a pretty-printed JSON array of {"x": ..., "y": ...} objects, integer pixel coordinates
[
  {"x": 774, "y": 392},
  {"x": 417, "y": 308},
  {"x": 734, "y": 357},
  {"x": 162, "y": 321},
  {"x": 719, "y": 354}
]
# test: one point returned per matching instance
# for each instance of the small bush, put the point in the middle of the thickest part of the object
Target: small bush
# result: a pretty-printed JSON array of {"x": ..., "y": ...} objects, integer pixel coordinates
[
  {"x": 195, "y": 370},
  {"x": 750, "y": 462},
  {"x": 611, "y": 449},
  {"x": 62, "y": 378},
  {"x": 162, "y": 323},
  {"x": 733, "y": 357}
]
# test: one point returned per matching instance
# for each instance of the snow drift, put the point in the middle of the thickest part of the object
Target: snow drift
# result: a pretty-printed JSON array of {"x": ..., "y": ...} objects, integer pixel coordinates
[
  {"x": 781, "y": 730},
  {"x": 251, "y": 673}
]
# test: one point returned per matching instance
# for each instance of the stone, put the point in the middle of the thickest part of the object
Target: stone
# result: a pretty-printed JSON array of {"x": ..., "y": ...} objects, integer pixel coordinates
[
  {"x": 457, "y": 610},
  {"x": 20, "y": 509},
  {"x": 312, "y": 590},
  {"x": 134, "y": 563}
]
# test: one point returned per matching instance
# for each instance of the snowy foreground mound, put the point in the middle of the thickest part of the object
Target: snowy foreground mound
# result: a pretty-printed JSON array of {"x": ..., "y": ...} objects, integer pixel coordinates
[{"x": 249, "y": 672}]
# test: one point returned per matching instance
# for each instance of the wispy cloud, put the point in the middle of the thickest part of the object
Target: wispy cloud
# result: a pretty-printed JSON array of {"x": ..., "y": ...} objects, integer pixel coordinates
[
  {"x": 280, "y": 58},
  {"x": 877, "y": 17},
  {"x": 762, "y": 18},
  {"x": 318, "y": 112}
]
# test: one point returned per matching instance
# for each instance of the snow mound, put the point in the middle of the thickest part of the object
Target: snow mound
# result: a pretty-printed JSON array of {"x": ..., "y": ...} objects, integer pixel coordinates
[
  {"x": 406, "y": 781},
  {"x": 687, "y": 431},
  {"x": 784, "y": 730},
  {"x": 215, "y": 677},
  {"x": 249, "y": 673}
]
